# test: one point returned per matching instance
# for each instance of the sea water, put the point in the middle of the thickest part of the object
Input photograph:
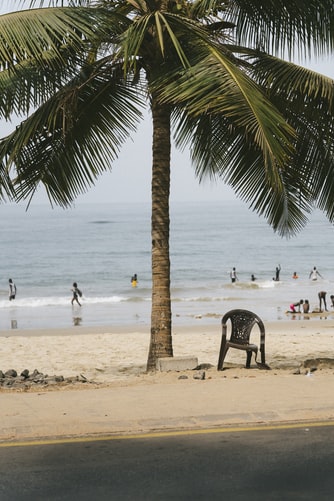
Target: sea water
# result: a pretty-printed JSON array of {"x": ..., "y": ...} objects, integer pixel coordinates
[{"x": 101, "y": 246}]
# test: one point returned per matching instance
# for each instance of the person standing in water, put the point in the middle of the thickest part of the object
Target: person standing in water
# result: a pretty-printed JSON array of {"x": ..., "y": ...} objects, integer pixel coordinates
[
  {"x": 277, "y": 272},
  {"x": 332, "y": 300},
  {"x": 233, "y": 275},
  {"x": 322, "y": 299},
  {"x": 314, "y": 274},
  {"x": 134, "y": 280},
  {"x": 76, "y": 293},
  {"x": 12, "y": 289}
]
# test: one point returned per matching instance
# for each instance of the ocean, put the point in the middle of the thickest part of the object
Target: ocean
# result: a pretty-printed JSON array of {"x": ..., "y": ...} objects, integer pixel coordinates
[{"x": 101, "y": 246}]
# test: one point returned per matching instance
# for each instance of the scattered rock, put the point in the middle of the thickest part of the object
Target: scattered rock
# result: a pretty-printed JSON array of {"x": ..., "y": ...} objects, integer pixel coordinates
[
  {"x": 25, "y": 381},
  {"x": 183, "y": 377},
  {"x": 199, "y": 375}
]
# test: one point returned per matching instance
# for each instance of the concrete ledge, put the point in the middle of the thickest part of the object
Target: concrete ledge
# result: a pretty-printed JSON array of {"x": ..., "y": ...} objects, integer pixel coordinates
[{"x": 177, "y": 364}]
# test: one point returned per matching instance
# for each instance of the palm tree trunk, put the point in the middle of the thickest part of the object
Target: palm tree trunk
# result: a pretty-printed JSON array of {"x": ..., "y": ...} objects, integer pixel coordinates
[{"x": 161, "y": 315}]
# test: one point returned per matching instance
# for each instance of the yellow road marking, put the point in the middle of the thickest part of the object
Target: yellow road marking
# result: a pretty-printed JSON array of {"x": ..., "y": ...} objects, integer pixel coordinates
[{"x": 162, "y": 434}]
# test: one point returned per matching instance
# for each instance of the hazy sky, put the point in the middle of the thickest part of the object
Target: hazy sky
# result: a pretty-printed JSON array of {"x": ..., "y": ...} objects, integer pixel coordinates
[{"x": 130, "y": 178}]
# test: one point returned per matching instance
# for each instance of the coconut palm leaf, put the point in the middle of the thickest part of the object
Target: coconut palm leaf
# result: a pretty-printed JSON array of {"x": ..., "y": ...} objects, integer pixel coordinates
[
  {"x": 61, "y": 147},
  {"x": 218, "y": 87},
  {"x": 31, "y": 33},
  {"x": 219, "y": 150},
  {"x": 41, "y": 50},
  {"x": 282, "y": 27},
  {"x": 306, "y": 99}
]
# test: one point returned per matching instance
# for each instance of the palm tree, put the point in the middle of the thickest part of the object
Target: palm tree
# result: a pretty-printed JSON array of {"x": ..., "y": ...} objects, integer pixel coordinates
[{"x": 216, "y": 73}]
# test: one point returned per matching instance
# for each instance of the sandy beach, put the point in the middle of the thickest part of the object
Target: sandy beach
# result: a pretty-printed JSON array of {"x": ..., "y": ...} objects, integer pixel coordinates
[
  {"x": 111, "y": 355},
  {"x": 120, "y": 398}
]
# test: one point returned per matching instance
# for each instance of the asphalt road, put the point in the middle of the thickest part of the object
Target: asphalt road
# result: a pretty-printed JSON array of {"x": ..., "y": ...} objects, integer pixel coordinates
[{"x": 273, "y": 464}]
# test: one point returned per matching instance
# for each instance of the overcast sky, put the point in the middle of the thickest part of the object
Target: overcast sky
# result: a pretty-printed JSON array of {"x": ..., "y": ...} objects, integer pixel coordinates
[{"x": 130, "y": 178}]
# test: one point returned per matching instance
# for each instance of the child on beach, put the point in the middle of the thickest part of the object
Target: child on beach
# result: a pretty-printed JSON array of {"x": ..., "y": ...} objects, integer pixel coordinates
[
  {"x": 306, "y": 306},
  {"x": 76, "y": 293},
  {"x": 293, "y": 306}
]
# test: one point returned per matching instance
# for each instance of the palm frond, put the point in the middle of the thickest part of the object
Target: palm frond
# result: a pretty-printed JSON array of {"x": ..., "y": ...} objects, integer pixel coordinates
[
  {"x": 278, "y": 76},
  {"x": 306, "y": 99},
  {"x": 64, "y": 41},
  {"x": 28, "y": 34},
  {"x": 7, "y": 191},
  {"x": 218, "y": 87},
  {"x": 138, "y": 39},
  {"x": 73, "y": 137},
  {"x": 284, "y": 27},
  {"x": 221, "y": 152},
  {"x": 30, "y": 85}
]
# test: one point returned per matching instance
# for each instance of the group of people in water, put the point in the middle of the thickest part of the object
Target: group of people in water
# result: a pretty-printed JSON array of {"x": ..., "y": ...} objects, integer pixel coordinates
[
  {"x": 314, "y": 274},
  {"x": 303, "y": 306},
  {"x": 76, "y": 292}
]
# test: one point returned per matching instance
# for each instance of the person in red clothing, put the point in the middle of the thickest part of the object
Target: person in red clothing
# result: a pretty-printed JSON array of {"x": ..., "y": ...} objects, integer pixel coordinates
[{"x": 293, "y": 306}]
